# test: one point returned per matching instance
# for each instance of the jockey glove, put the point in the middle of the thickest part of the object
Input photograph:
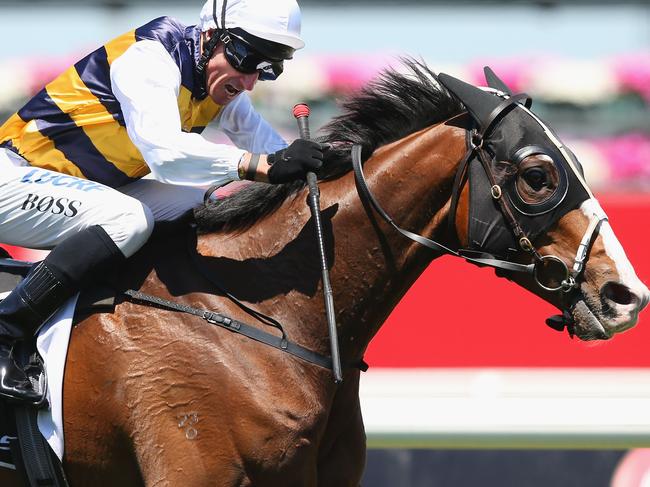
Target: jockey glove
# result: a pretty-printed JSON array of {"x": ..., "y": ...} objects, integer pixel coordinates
[{"x": 295, "y": 161}]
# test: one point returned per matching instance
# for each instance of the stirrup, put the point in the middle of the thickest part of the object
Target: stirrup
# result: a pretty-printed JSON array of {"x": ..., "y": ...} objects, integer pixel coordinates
[{"x": 35, "y": 373}]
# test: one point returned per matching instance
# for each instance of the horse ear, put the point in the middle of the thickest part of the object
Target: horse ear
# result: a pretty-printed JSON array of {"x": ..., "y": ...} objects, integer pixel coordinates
[
  {"x": 479, "y": 103},
  {"x": 493, "y": 81}
]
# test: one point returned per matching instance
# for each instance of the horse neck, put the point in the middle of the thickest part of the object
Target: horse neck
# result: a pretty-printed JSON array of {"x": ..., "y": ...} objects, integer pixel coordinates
[
  {"x": 412, "y": 180},
  {"x": 371, "y": 265}
]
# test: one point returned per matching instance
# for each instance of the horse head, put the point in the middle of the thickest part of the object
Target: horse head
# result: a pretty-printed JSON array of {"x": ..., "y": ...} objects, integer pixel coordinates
[{"x": 530, "y": 214}]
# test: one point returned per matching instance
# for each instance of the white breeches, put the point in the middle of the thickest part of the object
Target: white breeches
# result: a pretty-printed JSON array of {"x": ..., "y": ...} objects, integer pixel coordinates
[{"x": 40, "y": 208}]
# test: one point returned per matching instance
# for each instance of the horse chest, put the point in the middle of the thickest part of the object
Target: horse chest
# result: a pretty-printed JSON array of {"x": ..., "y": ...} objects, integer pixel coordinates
[{"x": 284, "y": 434}]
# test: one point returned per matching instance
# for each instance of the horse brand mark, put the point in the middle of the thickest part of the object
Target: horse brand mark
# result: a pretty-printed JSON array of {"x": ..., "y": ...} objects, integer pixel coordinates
[
  {"x": 48, "y": 204},
  {"x": 187, "y": 421}
]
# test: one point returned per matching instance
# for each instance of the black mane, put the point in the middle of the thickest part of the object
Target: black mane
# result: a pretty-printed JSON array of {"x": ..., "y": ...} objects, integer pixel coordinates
[{"x": 389, "y": 108}]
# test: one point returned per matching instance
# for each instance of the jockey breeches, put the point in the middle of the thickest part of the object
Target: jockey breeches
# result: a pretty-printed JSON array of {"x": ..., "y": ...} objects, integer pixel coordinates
[{"x": 40, "y": 208}]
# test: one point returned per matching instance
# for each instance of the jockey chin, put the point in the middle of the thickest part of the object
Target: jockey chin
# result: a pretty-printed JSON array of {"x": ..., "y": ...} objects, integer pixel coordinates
[{"x": 72, "y": 160}]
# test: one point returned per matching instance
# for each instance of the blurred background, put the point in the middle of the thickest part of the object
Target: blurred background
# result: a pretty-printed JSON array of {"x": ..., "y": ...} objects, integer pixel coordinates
[{"x": 467, "y": 386}]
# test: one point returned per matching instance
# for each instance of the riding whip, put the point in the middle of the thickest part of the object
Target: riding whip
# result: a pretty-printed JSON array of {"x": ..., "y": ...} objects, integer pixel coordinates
[{"x": 301, "y": 112}]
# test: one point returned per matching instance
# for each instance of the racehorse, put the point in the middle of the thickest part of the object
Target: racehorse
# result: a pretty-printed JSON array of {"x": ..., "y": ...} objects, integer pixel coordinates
[{"x": 154, "y": 396}]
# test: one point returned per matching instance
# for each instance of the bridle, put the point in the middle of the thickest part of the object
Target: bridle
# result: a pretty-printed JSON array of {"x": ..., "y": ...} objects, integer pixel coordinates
[{"x": 567, "y": 277}]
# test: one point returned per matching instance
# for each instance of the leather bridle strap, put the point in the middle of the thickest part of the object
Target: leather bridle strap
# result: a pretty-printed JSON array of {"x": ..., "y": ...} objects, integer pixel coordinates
[
  {"x": 364, "y": 192},
  {"x": 485, "y": 158},
  {"x": 480, "y": 259},
  {"x": 500, "y": 109},
  {"x": 200, "y": 267},
  {"x": 477, "y": 258},
  {"x": 497, "y": 194},
  {"x": 457, "y": 186},
  {"x": 475, "y": 141},
  {"x": 362, "y": 186},
  {"x": 217, "y": 319},
  {"x": 587, "y": 242}
]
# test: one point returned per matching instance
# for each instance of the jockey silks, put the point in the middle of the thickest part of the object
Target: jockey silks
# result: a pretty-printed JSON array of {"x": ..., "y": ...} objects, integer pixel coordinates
[{"x": 76, "y": 126}]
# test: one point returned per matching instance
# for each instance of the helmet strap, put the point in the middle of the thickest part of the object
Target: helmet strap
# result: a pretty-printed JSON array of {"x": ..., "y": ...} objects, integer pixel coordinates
[
  {"x": 224, "y": 36},
  {"x": 221, "y": 34}
]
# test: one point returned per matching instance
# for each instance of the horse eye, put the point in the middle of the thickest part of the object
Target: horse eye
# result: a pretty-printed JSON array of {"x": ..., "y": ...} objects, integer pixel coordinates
[{"x": 536, "y": 178}]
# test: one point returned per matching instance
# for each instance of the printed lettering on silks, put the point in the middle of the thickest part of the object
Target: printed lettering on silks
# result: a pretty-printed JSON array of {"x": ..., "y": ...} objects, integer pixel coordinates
[
  {"x": 49, "y": 204},
  {"x": 38, "y": 176}
]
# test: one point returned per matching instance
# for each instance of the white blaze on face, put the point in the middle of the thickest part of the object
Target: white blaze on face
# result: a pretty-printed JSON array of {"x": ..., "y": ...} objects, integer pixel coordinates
[{"x": 614, "y": 251}]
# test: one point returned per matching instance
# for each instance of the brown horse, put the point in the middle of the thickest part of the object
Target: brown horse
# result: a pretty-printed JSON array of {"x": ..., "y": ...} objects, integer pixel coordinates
[{"x": 160, "y": 398}]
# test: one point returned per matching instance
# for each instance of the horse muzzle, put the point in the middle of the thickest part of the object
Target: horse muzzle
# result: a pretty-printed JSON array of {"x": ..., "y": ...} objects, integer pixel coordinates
[{"x": 615, "y": 310}]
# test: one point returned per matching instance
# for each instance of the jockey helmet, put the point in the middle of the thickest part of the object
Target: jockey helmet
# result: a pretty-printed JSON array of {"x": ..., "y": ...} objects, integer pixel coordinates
[{"x": 277, "y": 21}]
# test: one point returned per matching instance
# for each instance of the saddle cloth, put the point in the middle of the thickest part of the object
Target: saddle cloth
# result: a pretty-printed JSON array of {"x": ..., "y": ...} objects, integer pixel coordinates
[{"x": 52, "y": 344}]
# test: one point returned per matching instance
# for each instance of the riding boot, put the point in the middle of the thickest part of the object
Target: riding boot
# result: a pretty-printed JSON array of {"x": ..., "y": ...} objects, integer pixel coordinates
[
  {"x": 21, "y": 312},
  {"x": 49, "y": 284}
]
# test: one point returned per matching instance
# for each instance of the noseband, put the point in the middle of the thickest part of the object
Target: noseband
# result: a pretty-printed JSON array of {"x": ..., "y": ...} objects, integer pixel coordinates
[{"x": 550, "y": 272}]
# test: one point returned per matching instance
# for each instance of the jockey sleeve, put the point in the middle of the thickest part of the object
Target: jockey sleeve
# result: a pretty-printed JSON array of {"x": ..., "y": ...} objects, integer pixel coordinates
[{"x": 147, "y": 82}]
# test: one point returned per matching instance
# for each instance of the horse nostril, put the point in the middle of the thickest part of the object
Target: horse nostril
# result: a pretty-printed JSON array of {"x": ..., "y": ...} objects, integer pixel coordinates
[{"x": 618, "y": 293}]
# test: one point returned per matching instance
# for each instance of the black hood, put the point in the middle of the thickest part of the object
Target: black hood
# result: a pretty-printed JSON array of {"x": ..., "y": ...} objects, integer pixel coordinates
[{"x": 516, "y": 134}]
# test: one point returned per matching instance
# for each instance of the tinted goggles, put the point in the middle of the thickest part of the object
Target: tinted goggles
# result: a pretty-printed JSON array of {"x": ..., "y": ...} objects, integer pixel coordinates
[{"x": 245, "y": 59}]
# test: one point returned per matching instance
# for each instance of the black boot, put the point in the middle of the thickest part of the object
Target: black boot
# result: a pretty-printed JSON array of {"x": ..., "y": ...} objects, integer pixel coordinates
[
  {"x": 22, "y": 312},
  {"x": 48, "y": 285},
  {"x": 14, "y": 383}
]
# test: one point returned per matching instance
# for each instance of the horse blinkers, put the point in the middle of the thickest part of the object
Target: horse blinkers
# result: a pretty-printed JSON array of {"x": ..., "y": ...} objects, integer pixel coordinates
[{"x": 504, "y": 219}]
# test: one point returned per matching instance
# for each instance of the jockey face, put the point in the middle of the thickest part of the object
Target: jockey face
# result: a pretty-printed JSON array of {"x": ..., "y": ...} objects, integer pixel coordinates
[{"x": 223, "y": 82}]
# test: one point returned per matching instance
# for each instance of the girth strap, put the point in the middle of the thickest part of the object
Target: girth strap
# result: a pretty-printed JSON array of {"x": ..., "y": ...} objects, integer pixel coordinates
[
  {"x": 41, "y": 466},
  {"x": 214, "y": 318}
]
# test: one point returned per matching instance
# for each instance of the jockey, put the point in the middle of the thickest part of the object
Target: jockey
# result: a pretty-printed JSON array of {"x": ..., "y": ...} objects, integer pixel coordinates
[{"x": 73, "y": 158}]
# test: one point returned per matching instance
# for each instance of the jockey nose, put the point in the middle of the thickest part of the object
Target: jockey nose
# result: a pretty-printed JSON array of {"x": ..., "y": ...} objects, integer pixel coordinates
[{"x": 249, "y": 80}]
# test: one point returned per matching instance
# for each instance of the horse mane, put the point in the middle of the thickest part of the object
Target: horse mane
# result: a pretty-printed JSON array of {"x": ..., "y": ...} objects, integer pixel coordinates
[{"x": 389, "y": 108}]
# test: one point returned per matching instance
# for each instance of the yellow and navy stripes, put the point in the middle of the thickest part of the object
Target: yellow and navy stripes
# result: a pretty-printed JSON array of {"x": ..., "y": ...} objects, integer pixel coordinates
[{"x": 75, "y": 124}]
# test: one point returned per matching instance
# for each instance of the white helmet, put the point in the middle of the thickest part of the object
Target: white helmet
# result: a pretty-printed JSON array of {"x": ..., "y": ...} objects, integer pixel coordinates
[{"x": 273, "y": 20}]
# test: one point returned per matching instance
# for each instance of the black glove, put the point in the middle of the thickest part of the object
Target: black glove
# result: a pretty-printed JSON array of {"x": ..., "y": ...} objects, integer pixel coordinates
[{"x": 295, "y": 161}]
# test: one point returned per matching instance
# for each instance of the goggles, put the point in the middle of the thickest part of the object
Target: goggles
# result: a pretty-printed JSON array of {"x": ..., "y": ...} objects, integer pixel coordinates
[{"x": 245, "y": 59}]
